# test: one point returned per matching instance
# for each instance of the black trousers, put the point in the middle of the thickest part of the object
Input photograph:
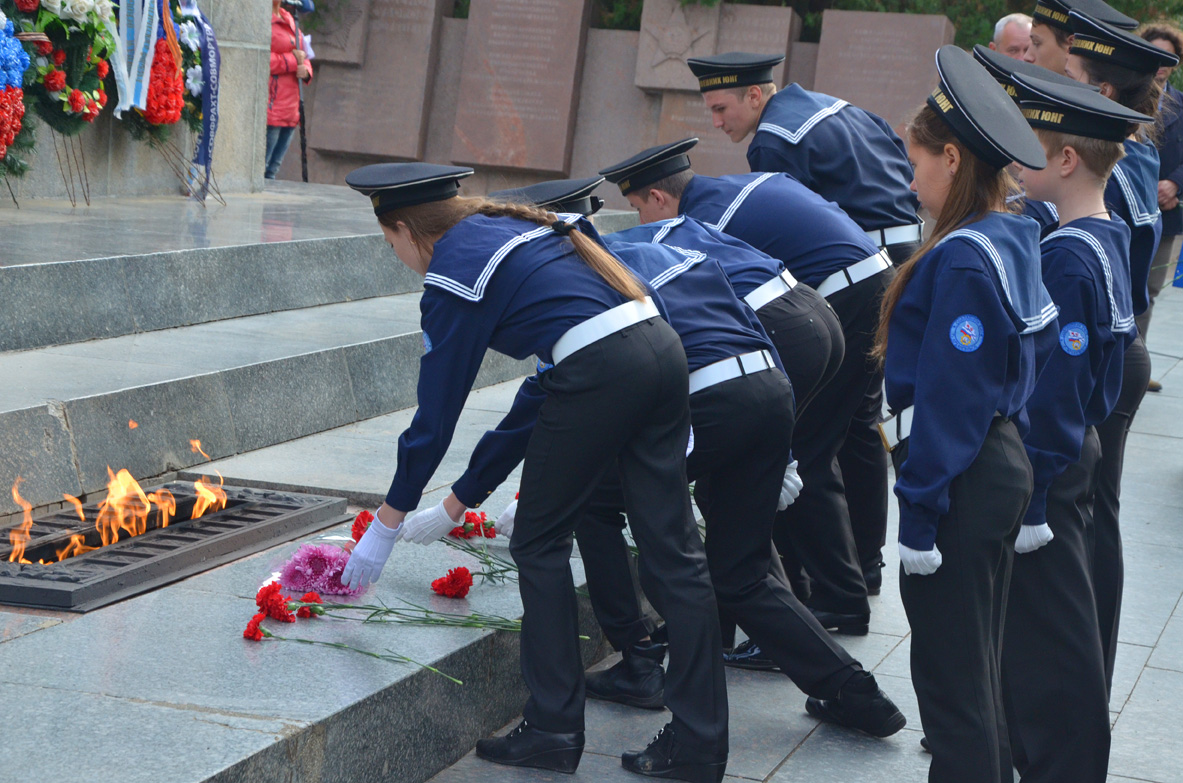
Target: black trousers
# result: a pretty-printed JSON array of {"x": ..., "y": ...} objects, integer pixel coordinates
[
  {"x": 1053, "y": 670},
  {"x": 1108, "y": 561},
  {"x": 620, "y": 401},
  {"x": 742, "y": 430},
  {"x": 808, "y": 336},
  {"x": 819, "y": 523},
  {"x": 957, "y": 613},
  {"x": 902, "y": 251}
]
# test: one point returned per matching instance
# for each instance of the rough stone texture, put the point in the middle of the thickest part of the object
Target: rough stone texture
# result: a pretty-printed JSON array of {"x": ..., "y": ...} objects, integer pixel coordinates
[
  {"x": 759, "y": 29},
  {"x": 671, "y": 34},
  {"x": 381, "y": 108},
  {"x": 803, "y": 64},
  {"x": 35, "y": 445},
  {"x": 608, "y": 220},
  {"x": 893, "y": 72},
  {"x": 684, "y": 114},
  {"x": 615, "y": 118},
  {"x": 341, "y": 34},
  {"x": 519, "y": 84}
]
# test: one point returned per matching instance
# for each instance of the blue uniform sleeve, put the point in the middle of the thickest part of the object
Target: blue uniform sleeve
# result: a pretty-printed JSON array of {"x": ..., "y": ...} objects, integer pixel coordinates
[
  {"x": 780, "y": 156},
  {"x": 456, "y": 336},
  {"x": 956, "y": 396},
  {"x": 1056, "y": 408},
  {"x": 500, "y": 450}
]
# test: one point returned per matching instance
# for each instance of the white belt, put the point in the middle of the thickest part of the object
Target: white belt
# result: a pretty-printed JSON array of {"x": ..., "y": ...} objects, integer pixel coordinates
[
  {"x": 855, "y": 273},
  {"x": 600, "y": 326},
  {"x": 896, "y": 234},
  {"x": 733, "y": 367},
  {"x": 894, "y": 429},
  {"x": 774, "y": 288}
]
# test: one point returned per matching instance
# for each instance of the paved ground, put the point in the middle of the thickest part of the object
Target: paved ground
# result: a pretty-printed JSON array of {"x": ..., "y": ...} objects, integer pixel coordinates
[{"x": 772, "y": 738}]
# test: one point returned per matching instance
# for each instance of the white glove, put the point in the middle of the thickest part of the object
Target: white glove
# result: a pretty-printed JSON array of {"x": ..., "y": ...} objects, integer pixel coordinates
[
  {"x": 1032, "y": 537},
  {"x": 370, "y": 555},
  {"x": 428, "y": 526},
  {"x": 920, "y": 563},
  {"x": 790, "y": 488},
  {"x": 690, "y": 443},
  {"x": 504, "y": 523}
]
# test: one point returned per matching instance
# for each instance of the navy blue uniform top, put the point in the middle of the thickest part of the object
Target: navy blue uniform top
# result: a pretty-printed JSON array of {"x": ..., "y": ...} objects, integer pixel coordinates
[
  {"x": 746, "y": 267},
  {"x": 1132, "y": 195},
  {"x": 1044, "y": 213},
  {"x": 1170, "y": 154},
  {"x": 493, "y": 282},
  {"x": 775, "y": 213},
  {"x": 965, "y": 341},
  {"x": 848, "y": 155},
  {"x": 1085, "y": 271},
  {"x": 702, "y": 308}
]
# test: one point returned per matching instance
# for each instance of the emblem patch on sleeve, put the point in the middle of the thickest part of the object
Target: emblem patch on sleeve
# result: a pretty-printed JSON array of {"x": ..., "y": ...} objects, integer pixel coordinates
[
  {"x": 426, "y": 343},
  {"x": 966, "y": 333},
  {"x": 1074, "y": 338}
]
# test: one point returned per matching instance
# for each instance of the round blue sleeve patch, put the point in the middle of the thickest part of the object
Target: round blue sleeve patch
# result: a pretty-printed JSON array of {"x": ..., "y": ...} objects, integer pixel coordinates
[
  {"x": 1074, "y": 338},
  {"x": 966, "y": 333},
  {"x": 426, "y": 343}
]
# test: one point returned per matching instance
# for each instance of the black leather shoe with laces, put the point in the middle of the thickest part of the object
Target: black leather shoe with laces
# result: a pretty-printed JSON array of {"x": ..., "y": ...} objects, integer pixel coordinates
[
  {"x": 667, "y": 757},
  {"x": 527, "y": 746},
  {"x": 637, "y": 680},
  {"x": 748, "y": 655},
  {"x": 861, "y": 705},
  {"x": 849, "y": 624}
]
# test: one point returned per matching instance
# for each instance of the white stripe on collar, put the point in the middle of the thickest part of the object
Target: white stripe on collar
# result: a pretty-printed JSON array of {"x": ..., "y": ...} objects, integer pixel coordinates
[
  {"x": 477, "y": 292},
  {"x": 743, "y": 194},
  {"x": 1119, "y": 324},
  {"x": 1034, "y": 323},
  {"x": 793, "y": 137},
  {"x": 666, "y": 227},
  {"x": 692, "y": 257},
  {"x": 1127, "y": 188}
]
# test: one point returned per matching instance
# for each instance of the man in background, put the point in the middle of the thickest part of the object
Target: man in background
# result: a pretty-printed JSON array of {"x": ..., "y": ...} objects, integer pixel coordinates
[{"x": 1012, "y": 36}]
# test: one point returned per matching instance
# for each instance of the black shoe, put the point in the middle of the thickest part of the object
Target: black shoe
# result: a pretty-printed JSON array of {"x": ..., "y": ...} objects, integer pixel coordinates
[
  {"x": 747, "y": 655},
  {"x": 637, "y": 680},
  {"x": 666, "y": 757},
  {"x": 924, "y": 745},
  {"x": 873, "y": 576},
  {"x": 527, "y": 746},
  {"x": 861, "y": 705},
  {"x": 849, "y": 624},
  {"x": 1154, "y": 386}
]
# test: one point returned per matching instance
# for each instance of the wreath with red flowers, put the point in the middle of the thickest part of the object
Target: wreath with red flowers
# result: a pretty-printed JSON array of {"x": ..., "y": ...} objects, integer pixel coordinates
[{"x": 166, "y": 87}]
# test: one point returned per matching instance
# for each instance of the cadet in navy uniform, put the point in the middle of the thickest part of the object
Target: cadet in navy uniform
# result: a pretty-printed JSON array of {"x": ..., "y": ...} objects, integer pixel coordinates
[
  {"x": 1123, "y": 66},
  {"x": 523, "y": 281},
  {"x": 1053, "y": 668},
  {"x": 823, "y": 248},
  {"x": 958, "y": 336},
  {"x": 1051, "y": 29}
]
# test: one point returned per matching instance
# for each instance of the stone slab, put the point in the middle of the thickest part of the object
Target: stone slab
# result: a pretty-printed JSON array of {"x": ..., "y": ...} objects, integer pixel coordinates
[
  {"x": 35, "y": 446},
  {"x": 803, "y": 64},
  {"x": 592, "y": 767},
  {"x": 1127, "y": 668},
  {"x": 615, "y": 117},
  {"x": 1147, "y": 744},
  {"x": 340, "y": 35},
  {"x": 446, "y": 91},
  {"x": 519, "y": 84},
  {"x": 759, "y": 29},
  {"x": 683, "y": 114},
  {"x": 1152, "y": 592},
  {"x": 672, "y": 33},
  {"x": 1168, "y": 653},
  {"x": 382, "y": 107},
  {"x": 880, "y": 62},
  {"x": 14, "y": 625}
]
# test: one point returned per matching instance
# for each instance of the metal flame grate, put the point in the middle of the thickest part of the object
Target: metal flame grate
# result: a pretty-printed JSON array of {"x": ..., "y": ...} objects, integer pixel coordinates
[{"x": 253, "y": 520}]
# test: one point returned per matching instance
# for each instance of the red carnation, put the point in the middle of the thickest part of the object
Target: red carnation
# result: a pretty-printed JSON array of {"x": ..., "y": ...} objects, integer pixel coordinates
[
  {"x": 103, "y": 69},
  {"x": 273, "y": 604},
  {"x": 475, "y": 526},
  {"x": 455, "y": 584},
  {"x": 59, "y": 57},
  {"x": 306, "y": 612},
  {"x": 44, "y": 48},
  {"x": 92, "y": 111},
  {"x": 360, "y": 523},
  {"x": 102, "y": 97},
  {"x": 165, "y": 88},
  {"x": 55, "y": 80},
  {"x": 28, "y": 6},
  {"x": 253, "y": 631},
  {"x": 77, "y": 100}
]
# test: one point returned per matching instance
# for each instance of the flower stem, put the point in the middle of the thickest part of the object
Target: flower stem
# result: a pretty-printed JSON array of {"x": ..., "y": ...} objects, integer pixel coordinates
[{"x": 389, "y": 655}]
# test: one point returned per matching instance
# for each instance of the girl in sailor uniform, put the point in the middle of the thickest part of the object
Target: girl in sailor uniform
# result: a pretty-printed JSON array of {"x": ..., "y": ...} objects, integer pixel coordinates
[
  {"x": 1053, "y": 671},
  {"x": 958, "y": 338},
  {"x": 524, "y": 282},
  {"x": 1123, "y": 66}
]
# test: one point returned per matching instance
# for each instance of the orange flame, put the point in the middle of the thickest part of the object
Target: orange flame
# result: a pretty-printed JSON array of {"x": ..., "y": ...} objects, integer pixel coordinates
[
  {"x": 166, "y": 505},
  {"x": 209, "y": 497},
  {"x": 132, "y": 424},
  {"x": 195, "y": 447},
  {"x": 77, "y": 504},
  {"x": 19, "y": 536},
  {"x": 77, "y": 546}
]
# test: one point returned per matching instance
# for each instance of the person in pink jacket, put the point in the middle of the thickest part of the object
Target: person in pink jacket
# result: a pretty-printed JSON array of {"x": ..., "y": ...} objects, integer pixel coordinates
[{"x": 288, "y": 64}]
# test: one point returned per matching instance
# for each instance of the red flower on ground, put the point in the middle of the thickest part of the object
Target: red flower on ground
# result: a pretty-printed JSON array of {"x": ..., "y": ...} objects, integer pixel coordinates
[
  {"x": 306, "y": 612},
  {"x": 55, "y": 80},
  {"x": 44, "y": 48},
  {"x": 273, "y": 603},
  {"x": 253, "y": 632},
  {"x": 77, "y": 100},
  {"x": 455, "y": 584},
  {"x": 103, "y": 69},
  {"x": 360, "y": 523},
  {"x": 28, "y": 6},
  {"x": 59, "y": 57}
]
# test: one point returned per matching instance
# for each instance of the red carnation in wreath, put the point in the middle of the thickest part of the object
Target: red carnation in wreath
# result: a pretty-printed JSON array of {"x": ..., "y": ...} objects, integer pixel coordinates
[
  {"x": 12, "y": 112},
  {"x": 77, "y": 101},
  {"x": 455, "y": 584},
  {"x": 103, "y": 69},
  {"x": 59, "y": 57},
  {"x": 28, "y": 6},
  {"x": 55, "y": 81},
  {"x": 44, "y": 48},
  {"x": 165, "y": 89}
]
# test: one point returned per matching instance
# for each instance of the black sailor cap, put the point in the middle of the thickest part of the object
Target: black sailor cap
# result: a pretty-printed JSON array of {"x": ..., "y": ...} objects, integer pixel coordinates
[
  {"x": 1069, "y": 109},
  {"x": 1099, "y": 41},
  {"x": 981, "y": 114},
  {"x": 733, "y": 69},
  {"x": 1004, "y": 69},
  {"x": 394, "y": 185},
  {"x": 1055, "y": 13},
  {"x": 649, "y": 166},
  {"x": 557, "y": 195}
]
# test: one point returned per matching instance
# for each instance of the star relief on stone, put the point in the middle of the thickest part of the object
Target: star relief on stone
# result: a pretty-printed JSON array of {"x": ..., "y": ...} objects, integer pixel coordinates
[{"x": 675, "y": 38}]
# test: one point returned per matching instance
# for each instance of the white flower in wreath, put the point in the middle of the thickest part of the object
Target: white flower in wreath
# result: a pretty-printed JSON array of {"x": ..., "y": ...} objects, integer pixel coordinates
[
  {"x": 53, "y": 6},
  {"x": 105, "y": 10},
  {"x": 3, "y": 19},
  {"x": 189, "y": 36},
  {"x": 194, "y": 80},
  {"x": 76, "y": 9}
]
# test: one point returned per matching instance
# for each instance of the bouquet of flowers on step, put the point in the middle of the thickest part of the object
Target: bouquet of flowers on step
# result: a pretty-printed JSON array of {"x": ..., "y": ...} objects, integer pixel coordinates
[
  {"x": 69, "y": 41},
  {"x": 14, "y": 61}
]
